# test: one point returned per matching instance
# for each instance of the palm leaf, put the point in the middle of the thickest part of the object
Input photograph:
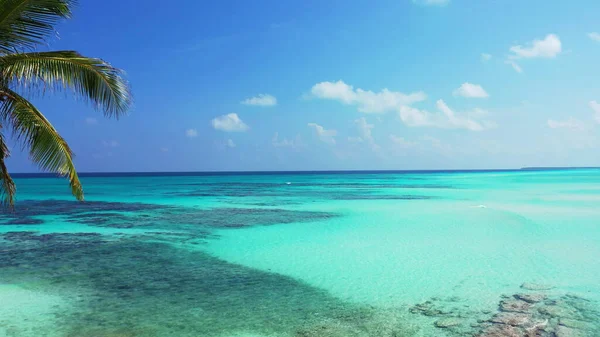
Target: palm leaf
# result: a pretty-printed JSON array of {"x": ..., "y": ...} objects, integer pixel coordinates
[
  {"x": 91, "y": 78},
  {"x": 7, "y": 185},
  {"x": 46, "y": 147},
  {"x": 26, "y": 23}
]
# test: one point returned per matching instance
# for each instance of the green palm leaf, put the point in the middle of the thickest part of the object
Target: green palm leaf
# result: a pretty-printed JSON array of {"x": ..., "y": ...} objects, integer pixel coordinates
[
  {"x": 23, "y": 25},
  {"x": 26, "y": 23},
  {"x": 7, "y": 185},
  {"x": 46, "y": 147},
  {"x": 91, "y": 78}
]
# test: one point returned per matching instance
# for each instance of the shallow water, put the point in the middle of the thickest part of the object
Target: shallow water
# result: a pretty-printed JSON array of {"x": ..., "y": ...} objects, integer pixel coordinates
[{"x": 361, "y": 254}]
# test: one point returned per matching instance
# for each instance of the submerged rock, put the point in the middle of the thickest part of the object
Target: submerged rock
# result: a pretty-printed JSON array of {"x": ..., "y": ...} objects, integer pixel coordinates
[
  {"x": 514, "y": 306},
  {"x": 428, "y": 309},
  {"x": 557, "y": 311},
  {"x": 575, "y": 324},
  {"x": 570, "y": 296},
  {"x": 511, "y": 318},
  {"x": 531, "y": 298},
  {"x": 498, "y": 330},
  {"x": 588, "y": 310},
  {"x": 563, "y": 331},
  {"x": 536, "y": 286},
  {"x": 536, "y": 328},
  {"x": 448, "y": 322},
  {"x": 564, "y": 316}
]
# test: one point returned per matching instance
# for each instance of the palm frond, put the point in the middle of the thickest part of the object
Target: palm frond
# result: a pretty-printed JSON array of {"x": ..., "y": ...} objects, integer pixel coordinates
[
  {"x": 26, "y": 23},
  {"x": 46, "y": 147},
  {"x": 7, "y": 185},
  {"x": 91, "y": 78}
]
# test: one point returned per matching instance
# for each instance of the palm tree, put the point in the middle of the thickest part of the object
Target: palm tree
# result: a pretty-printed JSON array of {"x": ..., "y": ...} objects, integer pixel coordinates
[{"x": 23, "y": 25}]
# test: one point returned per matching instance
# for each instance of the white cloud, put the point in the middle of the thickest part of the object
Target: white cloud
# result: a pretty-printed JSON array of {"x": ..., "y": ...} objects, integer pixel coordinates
[
  {"x": 454, "y": 121},
  {"x": 229, "y": 123},
  {"x": 515, "y": 66},
  {"x": 366, "y": 100},
  {"x": 485, "y": 57},
  {"x": 110, "y": 143},
  {"x": 594, "y": 36},
  {"x": 191, "y": 133},
  {"x": 431, "y": 2},
  {"x": 91, "y": 121},
  {"x": 365, "y": 133},
  {"x": 571, "y": 123},
  {"x": 364, "y": 129},
  {"x": 230, "y": 143},
  {"x": 401, "y": 142},
  {"x": 448, "y": 119},
  {"x": 164, "y": 149},
  {"x": 471, "y": 91},
  {"x": 261, "y": 100},
  {"x": 596, "y": 107},
  {"x": 326, "y": 136},
  {"x": 415, "y": 117},
  {"x": 549, "y": 47}
]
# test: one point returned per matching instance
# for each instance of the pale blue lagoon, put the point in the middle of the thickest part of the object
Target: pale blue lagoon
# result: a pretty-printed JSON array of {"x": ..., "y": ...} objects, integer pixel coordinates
[{"x": 489, "y": 253}]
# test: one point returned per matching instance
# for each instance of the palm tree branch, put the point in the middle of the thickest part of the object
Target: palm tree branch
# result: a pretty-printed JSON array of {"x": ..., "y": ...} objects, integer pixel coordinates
[
  {"x": 7, "y": 185},
  {"x": 26, "y": 23},
  {"x": 92, "y": 78},
  {"x": 46, "y": 147}
]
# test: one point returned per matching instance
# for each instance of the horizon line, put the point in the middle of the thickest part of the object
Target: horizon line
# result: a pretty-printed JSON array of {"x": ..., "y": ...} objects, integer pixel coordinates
[{"x": 115, "y": 173}]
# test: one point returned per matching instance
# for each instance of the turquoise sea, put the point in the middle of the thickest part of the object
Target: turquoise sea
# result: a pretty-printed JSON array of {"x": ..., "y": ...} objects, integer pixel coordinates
[{"x": 488, "y": 253}]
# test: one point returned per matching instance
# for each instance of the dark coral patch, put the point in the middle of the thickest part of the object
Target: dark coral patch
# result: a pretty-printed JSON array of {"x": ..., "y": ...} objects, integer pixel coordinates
[
  {"x": 161, "y": 217},
  {"x": 129, "y": 287}
]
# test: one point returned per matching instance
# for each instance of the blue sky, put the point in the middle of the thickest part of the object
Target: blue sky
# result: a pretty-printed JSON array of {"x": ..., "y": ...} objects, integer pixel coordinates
[{"x": 323, "y": 85}]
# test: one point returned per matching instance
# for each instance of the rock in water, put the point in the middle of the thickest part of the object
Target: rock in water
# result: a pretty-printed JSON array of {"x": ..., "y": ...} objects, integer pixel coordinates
[
  {"x": 575, "y": 324},
  {"x": 501, "y": 331},
  {"x": 447, "y": 322},
  {"x": 531, "y": 298},
  {"x": 428, "y": 309},
  {"x": 510, "y": 318},
  {"x": 514, "y": 306},
  {"x": 535, "y": 286},
  {"x": 557, "y": 311},
  {"x": 563, "y": 331},
  {"x": 536, "y": 328}
]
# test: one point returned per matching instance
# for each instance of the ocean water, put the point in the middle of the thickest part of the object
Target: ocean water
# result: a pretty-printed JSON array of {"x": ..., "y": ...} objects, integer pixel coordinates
[{"x": 490, "y": 253}]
